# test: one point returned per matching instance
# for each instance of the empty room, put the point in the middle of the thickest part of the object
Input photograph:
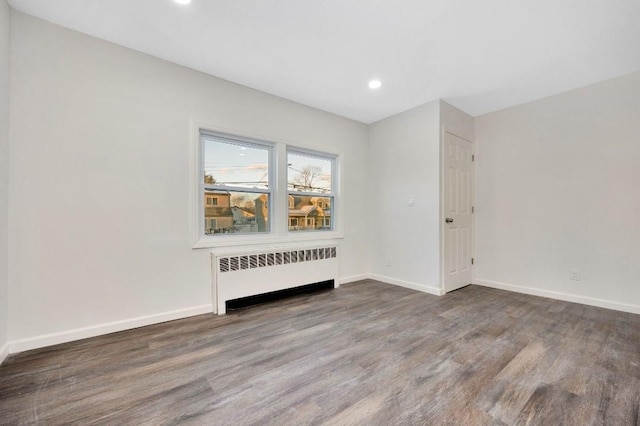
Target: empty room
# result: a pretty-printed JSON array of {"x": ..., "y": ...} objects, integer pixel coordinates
[{"x": 327, "y": 213}]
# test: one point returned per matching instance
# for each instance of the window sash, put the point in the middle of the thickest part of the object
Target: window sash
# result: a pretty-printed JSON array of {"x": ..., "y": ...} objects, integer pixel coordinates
[
  {"x": 318, "y": 224},
  {"x": 314, "y": 155},
  {"x": 206, "y": 135},
  {"x": 312, "y": 194},
  {"x": 242, "y": 142},
  {"x": 228, "y": 188}
]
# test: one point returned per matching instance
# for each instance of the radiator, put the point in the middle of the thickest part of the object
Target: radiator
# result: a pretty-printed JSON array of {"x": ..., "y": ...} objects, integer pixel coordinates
[{"x": 252, "y": 273}]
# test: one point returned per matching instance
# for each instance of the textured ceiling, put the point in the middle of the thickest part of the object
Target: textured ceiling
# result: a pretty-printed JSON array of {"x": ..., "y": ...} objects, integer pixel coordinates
[{"x": 480, "y": 56}]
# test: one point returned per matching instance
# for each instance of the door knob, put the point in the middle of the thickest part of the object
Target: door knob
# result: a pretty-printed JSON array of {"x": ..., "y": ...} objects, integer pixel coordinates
[{"x": 449, "y": 220}]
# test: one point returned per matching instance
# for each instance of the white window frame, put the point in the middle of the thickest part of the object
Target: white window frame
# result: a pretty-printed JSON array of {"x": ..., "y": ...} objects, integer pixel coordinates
[
  {"x": 219, "y": 188},
  {"x": 330, "y": 195},
  {"x": 278, "y": 198}
]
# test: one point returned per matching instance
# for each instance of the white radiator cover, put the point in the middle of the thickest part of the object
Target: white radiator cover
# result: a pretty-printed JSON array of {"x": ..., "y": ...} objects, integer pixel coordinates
[{"x": 249, "y": 273}]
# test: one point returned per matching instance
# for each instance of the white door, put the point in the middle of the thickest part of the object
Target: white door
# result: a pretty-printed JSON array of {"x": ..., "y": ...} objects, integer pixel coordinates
[{"x": 457, "y": 187}]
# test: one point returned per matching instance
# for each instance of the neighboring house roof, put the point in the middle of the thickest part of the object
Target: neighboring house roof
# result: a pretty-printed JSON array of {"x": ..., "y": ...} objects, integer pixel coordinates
[
  {"x": 313, "y": 211},
  {"x": 300, "y": 201},
  {"x": 243, "y": 211},
  {"x": 309, "y": 209}
]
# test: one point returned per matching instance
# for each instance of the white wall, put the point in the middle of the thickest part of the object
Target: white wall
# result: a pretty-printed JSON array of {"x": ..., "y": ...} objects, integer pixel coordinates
[
  {"x": 404, "y": 162},
  {"x": 558, "y": 189},
  {"x": 457, "y": 122},
  {"x": 100, "y": 154},
  {"x": 4, "y": 171}
]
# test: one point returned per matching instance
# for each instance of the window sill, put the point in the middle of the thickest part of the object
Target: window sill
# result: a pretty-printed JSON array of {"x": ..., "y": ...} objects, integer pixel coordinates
[{"x": 251, "y": 240}]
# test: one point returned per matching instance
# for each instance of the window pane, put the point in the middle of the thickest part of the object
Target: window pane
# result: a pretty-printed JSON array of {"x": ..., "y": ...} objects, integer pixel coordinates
[
  {"x": 308, "y": 173},
  {"x": 236, "y": 164},
  {"x": 236, "y": 212},
  {"x": 307, "y": 215}
]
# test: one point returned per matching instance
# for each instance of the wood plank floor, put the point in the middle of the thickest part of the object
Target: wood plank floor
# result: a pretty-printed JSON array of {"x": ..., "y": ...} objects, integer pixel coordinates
[{"x": 366, "y": 353}]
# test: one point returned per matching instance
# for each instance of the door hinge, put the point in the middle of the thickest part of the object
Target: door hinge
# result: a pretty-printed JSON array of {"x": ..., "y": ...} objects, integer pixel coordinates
[
  {"x": 473, "y": 157},
  {"x": 473, "y": 209},
  {"x": 472, "y": 261}
]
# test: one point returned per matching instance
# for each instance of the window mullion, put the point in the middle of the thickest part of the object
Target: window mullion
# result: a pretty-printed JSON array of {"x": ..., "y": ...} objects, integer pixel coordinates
[{"x": 280, "y": 200}]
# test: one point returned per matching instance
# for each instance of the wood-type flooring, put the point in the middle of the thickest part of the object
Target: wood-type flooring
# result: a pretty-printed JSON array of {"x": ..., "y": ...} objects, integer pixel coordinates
[{"x": 367, "y": 353}]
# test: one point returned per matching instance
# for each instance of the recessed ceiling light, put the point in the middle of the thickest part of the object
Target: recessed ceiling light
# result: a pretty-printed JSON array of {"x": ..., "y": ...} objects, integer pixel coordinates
[
  {"x": 375, "y": 84},
  {"x": 182, "y": 1}
]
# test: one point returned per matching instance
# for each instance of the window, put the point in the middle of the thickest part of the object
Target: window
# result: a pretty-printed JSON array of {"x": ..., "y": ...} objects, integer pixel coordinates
[
  {"x": 210, "y": 226},
  {"x": 236, "y": 179},
  {"x": 310, "y": 184},
  {"x": 249, "y": 191}
]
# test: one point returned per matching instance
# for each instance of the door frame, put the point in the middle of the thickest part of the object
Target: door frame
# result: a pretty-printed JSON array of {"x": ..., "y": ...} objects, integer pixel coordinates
[{"x": 443, "y": 131}]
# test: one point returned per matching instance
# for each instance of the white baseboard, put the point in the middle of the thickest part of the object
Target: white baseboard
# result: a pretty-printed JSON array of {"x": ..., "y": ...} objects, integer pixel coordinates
[
  {"x": 4, "y": 352},
  {"x": 353, "y": 278},
  {"x": 407, "y": 284},
  {"x": 584, "y": 300},
  {"x": 98, "y": 330}
]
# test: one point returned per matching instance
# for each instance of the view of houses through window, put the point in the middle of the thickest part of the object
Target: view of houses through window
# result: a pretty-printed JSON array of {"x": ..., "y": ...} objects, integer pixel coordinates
[
  {"x": 310, "y": 191},
  {"x": 236, "y": 212},
  {"x": 238, "y": 195}
]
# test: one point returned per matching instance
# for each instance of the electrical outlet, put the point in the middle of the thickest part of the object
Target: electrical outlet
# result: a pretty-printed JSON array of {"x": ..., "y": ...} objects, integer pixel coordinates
[
  {"x": 389, "y": 262},
  {"x": 575, "y": 275}
]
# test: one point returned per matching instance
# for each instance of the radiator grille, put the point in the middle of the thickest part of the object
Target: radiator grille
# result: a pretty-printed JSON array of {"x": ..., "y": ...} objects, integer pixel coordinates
[{"x": 261, "y": 260}]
